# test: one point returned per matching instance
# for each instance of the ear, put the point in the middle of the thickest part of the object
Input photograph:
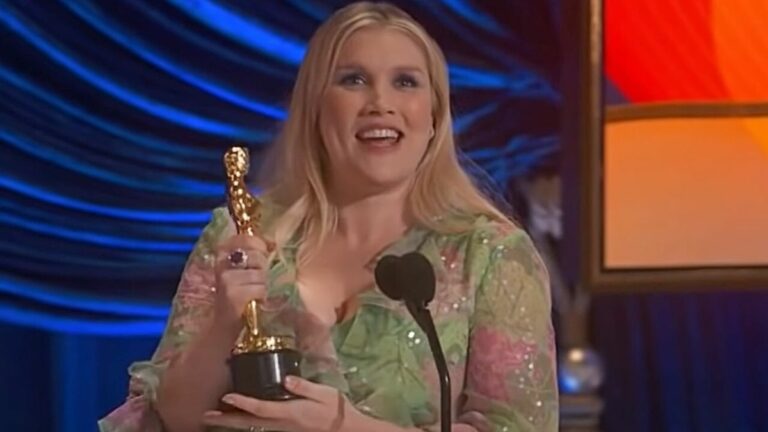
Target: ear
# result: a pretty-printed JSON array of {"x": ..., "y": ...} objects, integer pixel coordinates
[{"x": 433, "y": 127}]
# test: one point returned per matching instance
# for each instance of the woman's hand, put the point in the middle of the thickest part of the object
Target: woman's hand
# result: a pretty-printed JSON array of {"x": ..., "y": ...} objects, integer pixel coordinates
[
  {"x": 238, "y": 282},
  {"x": 323, "y": 409}
]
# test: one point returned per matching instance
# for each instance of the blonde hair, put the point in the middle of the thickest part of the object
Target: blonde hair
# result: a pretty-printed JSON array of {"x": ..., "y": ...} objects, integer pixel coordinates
[{"x": 293, "y": 174}]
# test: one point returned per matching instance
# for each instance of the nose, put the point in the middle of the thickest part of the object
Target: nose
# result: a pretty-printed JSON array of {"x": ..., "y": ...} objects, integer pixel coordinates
[{"x": 378, "y": 102}]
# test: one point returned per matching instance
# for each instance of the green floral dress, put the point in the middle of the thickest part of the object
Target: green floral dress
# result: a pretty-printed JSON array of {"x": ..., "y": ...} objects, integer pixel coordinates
[{"x": 491, "y": 309}]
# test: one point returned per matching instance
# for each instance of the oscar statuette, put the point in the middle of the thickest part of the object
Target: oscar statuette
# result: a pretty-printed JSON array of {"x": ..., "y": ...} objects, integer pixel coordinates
[{"x": 259, "y": 362}]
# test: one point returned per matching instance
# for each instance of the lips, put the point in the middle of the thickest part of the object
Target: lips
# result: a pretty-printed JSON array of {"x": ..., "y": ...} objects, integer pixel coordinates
[{"x": 379, "y": 136}]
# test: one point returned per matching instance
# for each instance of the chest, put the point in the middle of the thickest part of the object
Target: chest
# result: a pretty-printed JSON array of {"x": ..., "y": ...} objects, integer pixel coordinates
[{"x": 331, "y": 280}]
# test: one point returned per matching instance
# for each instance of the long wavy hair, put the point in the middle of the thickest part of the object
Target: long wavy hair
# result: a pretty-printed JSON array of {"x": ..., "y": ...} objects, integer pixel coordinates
[{"x": 292, "y": 176}]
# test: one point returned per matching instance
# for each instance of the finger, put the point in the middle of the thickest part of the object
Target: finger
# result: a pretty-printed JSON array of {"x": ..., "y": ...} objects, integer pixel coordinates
[
  {"x": 253, "y": 245},
  {"x": 256, "y": 259},
  {"x": 241, "y": 421},
  {"x": 236, "y": 277},
  {"x": 259, "y": 408},
  {"x": 240, "y": 287},
  {"x": 313, "y": 391},
  {"x": 238, "y": 296},
  {"x": 243, "y": 241}
]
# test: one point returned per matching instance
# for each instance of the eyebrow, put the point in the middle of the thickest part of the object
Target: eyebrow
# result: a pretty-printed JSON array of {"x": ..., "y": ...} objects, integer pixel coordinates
[{"x": 357, "y": 67}]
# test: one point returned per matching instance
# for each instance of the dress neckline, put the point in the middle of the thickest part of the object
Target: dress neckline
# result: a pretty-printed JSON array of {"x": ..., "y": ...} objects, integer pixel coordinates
[{"x": 413, "y": 239}]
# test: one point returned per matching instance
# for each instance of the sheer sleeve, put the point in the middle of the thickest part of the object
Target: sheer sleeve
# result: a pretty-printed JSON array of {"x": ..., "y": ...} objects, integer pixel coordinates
[
  {"x": 190, "y": 310},
  {"x": 511, "y": 382}
]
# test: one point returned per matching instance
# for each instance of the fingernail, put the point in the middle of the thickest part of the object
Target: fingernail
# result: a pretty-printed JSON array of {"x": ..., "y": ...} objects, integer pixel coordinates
[
  {"x": 213, "y": 413},
  {"x": 289, "y": 381},
  {"x": 228, "y": 399}
]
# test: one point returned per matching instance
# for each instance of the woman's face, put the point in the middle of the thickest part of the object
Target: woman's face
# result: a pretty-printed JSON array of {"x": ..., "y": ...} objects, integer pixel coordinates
[{"x": 376, "y": 115}]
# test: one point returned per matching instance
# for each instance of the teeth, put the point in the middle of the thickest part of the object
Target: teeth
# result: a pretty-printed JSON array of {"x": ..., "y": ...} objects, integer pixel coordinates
[{"x": 379, "y": 133}]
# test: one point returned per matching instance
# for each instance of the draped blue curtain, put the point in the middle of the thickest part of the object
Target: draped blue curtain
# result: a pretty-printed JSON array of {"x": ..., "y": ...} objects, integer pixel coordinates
[
  {"x": 115, "y": 116},
  {"x": 684, "y": 362}
]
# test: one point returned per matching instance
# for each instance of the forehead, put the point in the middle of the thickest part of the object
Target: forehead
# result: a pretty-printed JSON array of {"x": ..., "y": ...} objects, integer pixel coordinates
[{"x": 380, "y": 47}]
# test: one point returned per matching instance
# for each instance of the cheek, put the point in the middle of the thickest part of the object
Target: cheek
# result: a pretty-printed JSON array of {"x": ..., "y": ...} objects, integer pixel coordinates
[
  {"x": 335, "y": 115},
  {"x": 418, "y": 114},
  {"x": 418, "y": 111},
  {"x": 328, "y": 126}
]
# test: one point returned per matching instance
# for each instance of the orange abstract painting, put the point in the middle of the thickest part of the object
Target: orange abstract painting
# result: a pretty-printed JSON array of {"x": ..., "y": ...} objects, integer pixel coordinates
[{"x": 685, "y": 186}]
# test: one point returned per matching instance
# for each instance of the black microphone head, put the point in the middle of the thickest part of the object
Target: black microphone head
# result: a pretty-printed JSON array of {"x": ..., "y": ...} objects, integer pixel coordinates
[
  {"x": 386, "y": 275},
  {"x": 417, "y": 278}
]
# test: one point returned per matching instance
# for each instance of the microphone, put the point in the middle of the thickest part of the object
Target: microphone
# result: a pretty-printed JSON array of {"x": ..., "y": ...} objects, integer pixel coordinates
[{"x": 411, "y": 279}]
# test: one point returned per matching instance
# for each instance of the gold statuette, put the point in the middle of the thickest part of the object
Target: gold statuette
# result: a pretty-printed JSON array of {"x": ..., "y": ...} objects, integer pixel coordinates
[
  {"x": 259, "y": 362},
  {"x": 244, "y": 208}
]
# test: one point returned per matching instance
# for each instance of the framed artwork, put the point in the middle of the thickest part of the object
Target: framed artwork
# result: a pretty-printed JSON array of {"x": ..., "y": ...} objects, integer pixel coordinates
[{"x": 669, "y": 167}]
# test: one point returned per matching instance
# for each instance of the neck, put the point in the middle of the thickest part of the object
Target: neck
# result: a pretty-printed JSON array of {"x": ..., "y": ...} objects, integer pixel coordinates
[{"x": 372, "y": 218}]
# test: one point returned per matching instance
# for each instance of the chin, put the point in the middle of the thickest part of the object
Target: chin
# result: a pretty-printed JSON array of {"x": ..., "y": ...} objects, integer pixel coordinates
[{"x": 383, "y": 182}]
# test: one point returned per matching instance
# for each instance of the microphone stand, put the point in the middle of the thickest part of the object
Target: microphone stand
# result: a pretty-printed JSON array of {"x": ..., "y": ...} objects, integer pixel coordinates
[
  {"x": 424, "y": 320},
  {"x": 410, "y": 278}
]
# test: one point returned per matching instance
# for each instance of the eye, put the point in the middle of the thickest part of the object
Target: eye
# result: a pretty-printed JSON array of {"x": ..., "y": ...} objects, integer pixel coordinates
[
  {"x": 352, "y": 79},
  {"x": 406, "y": 81}
]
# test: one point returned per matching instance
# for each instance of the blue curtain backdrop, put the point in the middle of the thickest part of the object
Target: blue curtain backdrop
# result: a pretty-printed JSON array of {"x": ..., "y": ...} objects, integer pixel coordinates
[
  {"x": 684, "y": 362},
  {"x": 113, "y": 119}
]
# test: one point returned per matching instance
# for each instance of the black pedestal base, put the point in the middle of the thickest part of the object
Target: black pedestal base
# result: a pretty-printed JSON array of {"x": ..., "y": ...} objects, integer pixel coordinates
[{"x": 260, "y": 374}]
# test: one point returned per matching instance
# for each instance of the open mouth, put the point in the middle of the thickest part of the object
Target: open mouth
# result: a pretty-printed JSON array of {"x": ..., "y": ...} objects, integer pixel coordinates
[{"x": 379, "y": 137}]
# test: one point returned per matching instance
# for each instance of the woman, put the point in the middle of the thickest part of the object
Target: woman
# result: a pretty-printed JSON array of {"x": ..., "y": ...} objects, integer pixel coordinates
[{"x": 365, "y": 166}]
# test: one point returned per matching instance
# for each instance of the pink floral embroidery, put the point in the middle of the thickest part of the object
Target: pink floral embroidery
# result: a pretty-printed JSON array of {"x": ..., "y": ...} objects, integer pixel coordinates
[
  {"x": 134, "y": 415},
  {"x": 198, "y": 280},
  {"x": 492, "y": 358},
  {"x": 195, "y": 293}
]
